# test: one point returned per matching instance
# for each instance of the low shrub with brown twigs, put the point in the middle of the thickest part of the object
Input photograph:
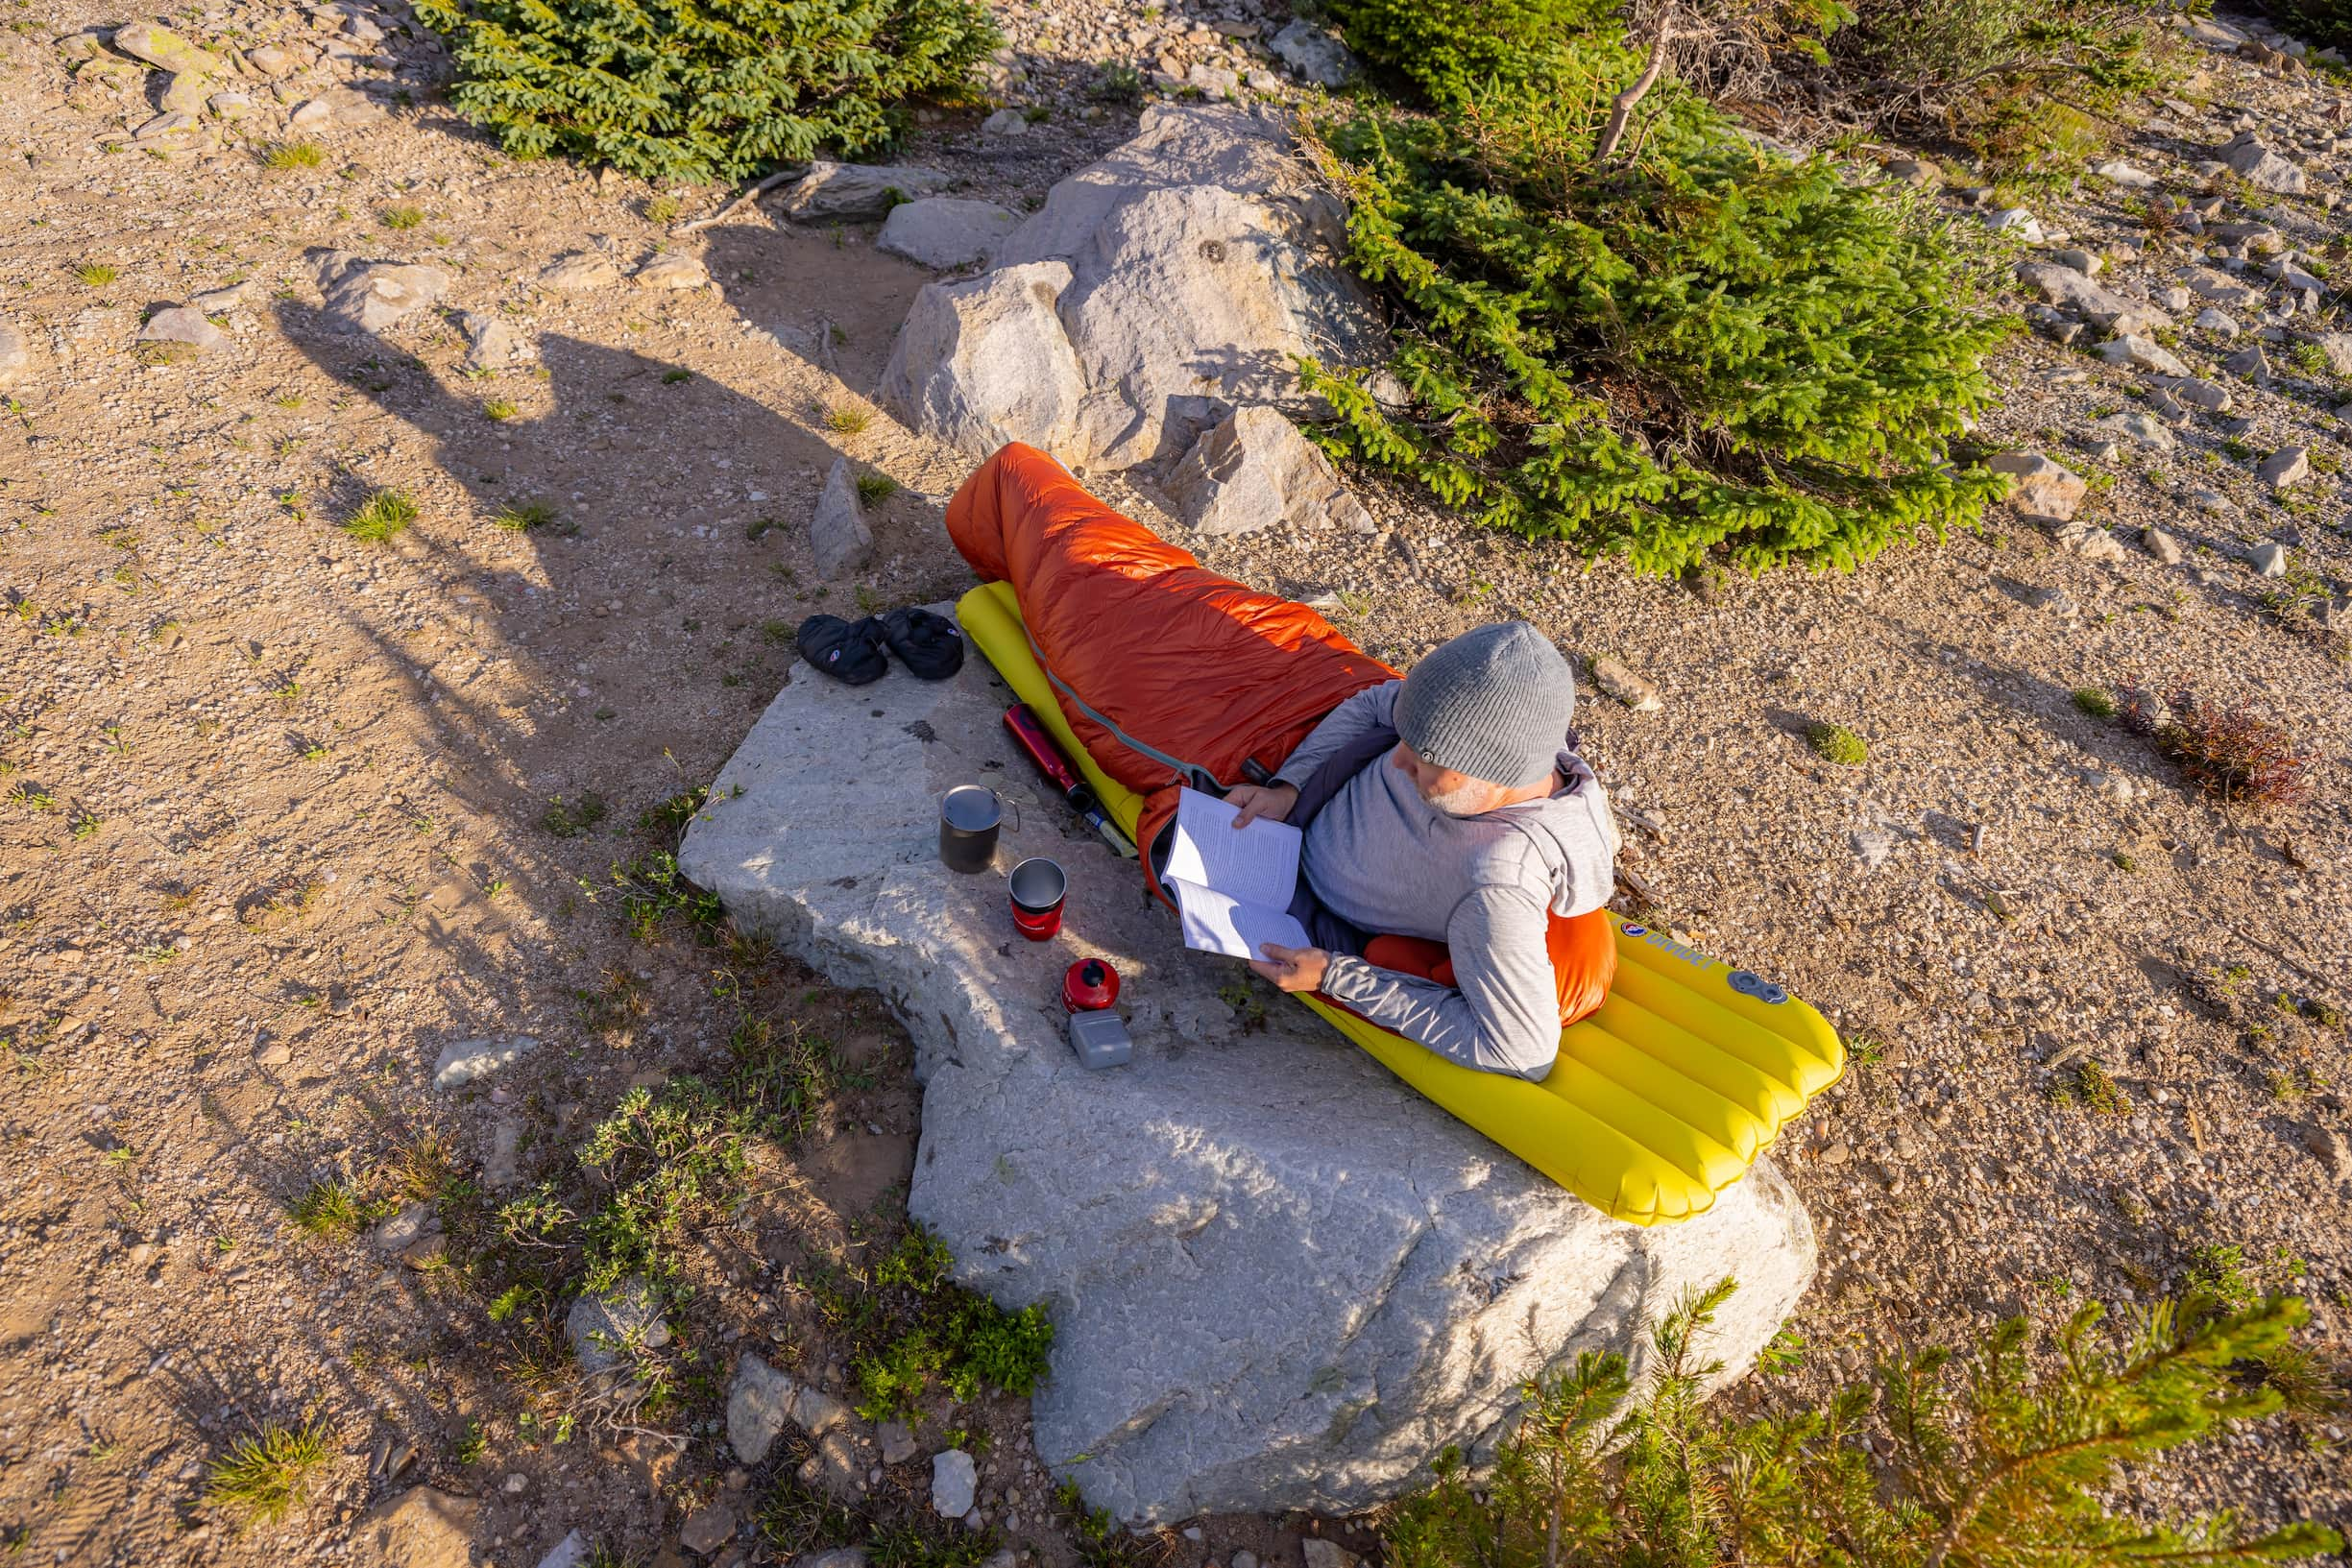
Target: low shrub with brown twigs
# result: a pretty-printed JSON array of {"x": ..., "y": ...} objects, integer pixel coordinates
[{"x": 2232, "y": 753}]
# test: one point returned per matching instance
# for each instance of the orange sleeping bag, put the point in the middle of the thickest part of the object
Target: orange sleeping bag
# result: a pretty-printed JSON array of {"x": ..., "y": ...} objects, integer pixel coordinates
[{"x": 1171, "y": 675}]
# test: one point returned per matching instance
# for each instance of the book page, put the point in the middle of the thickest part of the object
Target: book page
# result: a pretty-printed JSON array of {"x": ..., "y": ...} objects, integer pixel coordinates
[
  {"x": 1257, "y": 864},
  {"x": 1214, "y": 923}
]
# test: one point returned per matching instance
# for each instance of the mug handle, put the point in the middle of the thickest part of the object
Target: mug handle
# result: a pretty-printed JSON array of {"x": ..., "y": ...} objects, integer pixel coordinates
[{"x": 1002, "y": 801}]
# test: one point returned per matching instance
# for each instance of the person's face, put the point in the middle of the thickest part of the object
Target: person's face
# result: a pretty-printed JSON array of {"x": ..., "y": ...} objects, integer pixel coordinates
[{"x": 1456, "y": 794}]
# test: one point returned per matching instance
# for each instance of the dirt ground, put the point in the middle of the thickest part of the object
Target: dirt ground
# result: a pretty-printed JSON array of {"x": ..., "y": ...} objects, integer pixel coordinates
[{"x": 288, "y": 813}]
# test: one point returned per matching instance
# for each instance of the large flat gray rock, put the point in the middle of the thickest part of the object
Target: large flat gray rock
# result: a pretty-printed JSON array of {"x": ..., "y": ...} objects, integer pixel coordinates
[{"x": 1278, "y": 1277}]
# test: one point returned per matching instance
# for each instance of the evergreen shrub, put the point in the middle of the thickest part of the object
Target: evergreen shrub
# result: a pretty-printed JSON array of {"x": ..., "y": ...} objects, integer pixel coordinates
[
  {"x": 1451, "y": 48},
  {"x": 2005, "y": 1458},
  {"x": 721, "y": 90},
  {"x": 1706, "y": 349}
]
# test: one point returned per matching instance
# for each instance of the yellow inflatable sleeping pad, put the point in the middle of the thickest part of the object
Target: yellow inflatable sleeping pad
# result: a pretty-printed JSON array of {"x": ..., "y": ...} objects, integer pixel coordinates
[{"x": 1660, "y": 1100}]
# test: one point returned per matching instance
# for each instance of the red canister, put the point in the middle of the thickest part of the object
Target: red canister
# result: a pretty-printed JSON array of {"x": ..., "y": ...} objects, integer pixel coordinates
[{"x": 1089, "y": 987}]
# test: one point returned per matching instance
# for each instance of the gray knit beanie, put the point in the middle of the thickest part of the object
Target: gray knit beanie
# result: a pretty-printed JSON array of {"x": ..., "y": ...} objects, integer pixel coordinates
[{"x": 1493, "y": 703}]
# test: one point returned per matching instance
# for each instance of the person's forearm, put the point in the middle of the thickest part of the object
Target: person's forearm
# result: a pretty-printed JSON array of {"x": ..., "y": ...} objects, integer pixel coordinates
[
  {"x": 1441, "y": 1020},
  {"x": 1369, "y": 708}
]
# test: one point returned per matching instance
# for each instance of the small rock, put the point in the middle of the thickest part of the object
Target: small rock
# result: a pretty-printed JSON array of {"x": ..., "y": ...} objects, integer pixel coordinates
[
  {"x": 2107, "y": 785},
  {"x": 2145, "y": 429},
  {"x": 2338, "y": 347},
  {"x": 376, "y": 296},
  {"x": 338, "y": 109},
  {"x": 857, "y": 192},
  {"x": 1315, "y": 54},
  {"x": 2147, "y": 354},
  {"x": 953, "y": 1479},
  {"x": 2220, "y": 323},
  {"x": 675, "y": 271},
  {"x": 2131, "y": 178},
  {"x": 185, "y": 93},
  {"x": 897, "y": 1442},
  {"x": 1004, "y": 122},
  {"x": 708, "y": 1528},
  {"x": 762, "y": 1401},
  {"x": 2268, "y": 559},
  {"x": 2080, "y": 261},
  {"x": 579, "y": 272},
  {"x": 2056, "y": 600},
  {"x": 2261, "y": 167},
  {"x": 1244, "y": 1559},
  {"x": 1254, "y": 471},
  {"x": 403, "y": 1228},
  {"x": 1836, "y": 1153},
  {"x": 944, "y": 233},
  {"x": 272, "y": 62},
  {"x": 491, "y": 342},
  {"x": 2017, "y": 221},
  {"x": 602, "y": 1330},
  {"x": 1874, "y": 845},
  {"x": 231, "y": 105},
  {"x": 2160, "y": 545},
  {"x": 2196, "y": 391},
  {"x": 1637, "y": 692},
  {"x": 838, "y": 533},
  {"x": 2091, "y": 544},
  {"x": 13, "y": 356},
  {"x": 2040, "y": 487},
  {"x": 1318, "y": 1553},
  {"x": 840, "y": 1557},
  {"x": 274, "y": 1054},
  {"x": 463, "y": 1061},
  {"x": 421, "y": 1527},
  {"x": 182, "y": 325},
  {"x": 2287, "y": 466},
  {"x": 2328, "y": 1146},
  {"x": 168, "y": 51},
  {"x": 569, "y": 1552},
  {"x": 835, "y": 1468}
]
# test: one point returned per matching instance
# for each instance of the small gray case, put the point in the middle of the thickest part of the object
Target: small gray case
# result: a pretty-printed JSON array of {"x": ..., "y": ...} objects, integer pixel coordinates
[{"x": 1100, "y": 1039}]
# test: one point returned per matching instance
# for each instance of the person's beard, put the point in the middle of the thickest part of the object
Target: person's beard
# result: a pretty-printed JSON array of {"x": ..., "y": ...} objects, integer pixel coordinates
[{"x": 1467, "y": 799}]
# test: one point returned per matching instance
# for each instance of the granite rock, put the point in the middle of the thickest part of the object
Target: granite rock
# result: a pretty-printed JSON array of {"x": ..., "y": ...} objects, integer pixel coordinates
[{"x": 1424, "y": 1273}]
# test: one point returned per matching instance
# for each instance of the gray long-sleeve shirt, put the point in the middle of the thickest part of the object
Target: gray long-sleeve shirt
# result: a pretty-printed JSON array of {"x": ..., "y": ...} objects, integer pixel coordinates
[{"x": 1383, "y": 859}]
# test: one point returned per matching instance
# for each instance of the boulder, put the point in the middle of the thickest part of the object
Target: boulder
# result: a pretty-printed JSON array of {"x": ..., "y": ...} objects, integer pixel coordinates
[
  {"x": 2040, "y": 487},
  {"x": 1254, "y": 471},
  {"x": 945, "y": 232},
  {"x": 2071, "y": 290},
  {"x": 1278, "y": 1277},
  {"x": 857, "y": 192},
  {"x": 376, "y": 296},
  {"x": 838, "y": 533},
  {"x": 180, "y": 323},
  {"x": 985, "y": 362},
  {"x": 1315, "y": 54},
  {"x": 168, "y": 51},
  {"x": 1204, "y": 259},
  {"x": 2261, "y": 167}
]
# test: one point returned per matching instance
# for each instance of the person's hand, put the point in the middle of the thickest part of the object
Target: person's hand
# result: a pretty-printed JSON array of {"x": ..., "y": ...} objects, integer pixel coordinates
[
  {"x": 1272, "y": 802},
  {"x": 1293, "y": 969}
]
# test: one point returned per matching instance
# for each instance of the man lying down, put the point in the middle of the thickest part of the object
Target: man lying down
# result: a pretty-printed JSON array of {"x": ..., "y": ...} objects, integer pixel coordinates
[{"x": 1451, "y": 808}]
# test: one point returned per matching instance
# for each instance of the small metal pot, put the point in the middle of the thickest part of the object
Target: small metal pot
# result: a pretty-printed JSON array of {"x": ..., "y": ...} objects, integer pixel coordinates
[{"x": 969, "y": 817}]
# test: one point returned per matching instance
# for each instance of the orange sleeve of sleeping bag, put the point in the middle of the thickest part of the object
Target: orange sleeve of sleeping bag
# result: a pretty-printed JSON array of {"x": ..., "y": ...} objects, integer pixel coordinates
[{"x": 1583, "y": 948}]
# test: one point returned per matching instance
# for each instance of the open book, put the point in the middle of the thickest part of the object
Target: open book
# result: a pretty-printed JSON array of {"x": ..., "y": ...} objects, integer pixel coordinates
[{"x": 1233, "y": 887}]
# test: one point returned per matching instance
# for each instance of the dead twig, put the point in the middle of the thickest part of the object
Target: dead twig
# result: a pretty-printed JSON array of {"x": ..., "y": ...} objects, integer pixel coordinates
[
  {"x": 757, "y": 190},
  {"x": 1621, "y": 107}
]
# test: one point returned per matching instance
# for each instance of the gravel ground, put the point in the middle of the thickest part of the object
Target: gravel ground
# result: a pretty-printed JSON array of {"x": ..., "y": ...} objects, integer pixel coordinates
[{"x": 278, "y": 827}]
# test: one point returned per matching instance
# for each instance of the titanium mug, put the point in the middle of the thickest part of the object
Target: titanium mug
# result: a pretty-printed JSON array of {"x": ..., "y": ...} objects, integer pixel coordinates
[
  {"x": 1038, "y": 888},
  {"x": 969, "y": 816}
]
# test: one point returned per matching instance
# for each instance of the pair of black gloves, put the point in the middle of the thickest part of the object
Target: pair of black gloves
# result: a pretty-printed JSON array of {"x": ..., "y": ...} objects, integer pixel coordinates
[{"x": 851, "y": 651}]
